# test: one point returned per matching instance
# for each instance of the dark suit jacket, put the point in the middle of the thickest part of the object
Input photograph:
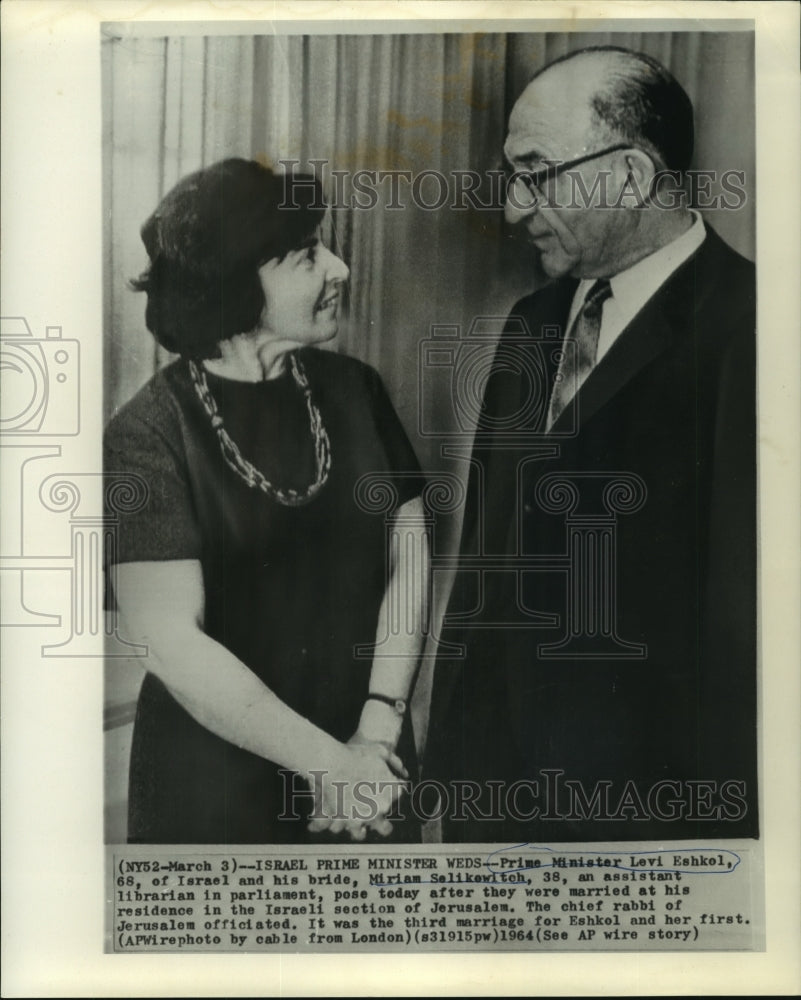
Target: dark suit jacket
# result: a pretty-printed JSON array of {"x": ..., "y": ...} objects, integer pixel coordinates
[{"x": 672, "y": 406}]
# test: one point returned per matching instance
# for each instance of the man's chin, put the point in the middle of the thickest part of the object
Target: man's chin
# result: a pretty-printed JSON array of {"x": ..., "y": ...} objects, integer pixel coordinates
[{"x": 556, "y": 265}]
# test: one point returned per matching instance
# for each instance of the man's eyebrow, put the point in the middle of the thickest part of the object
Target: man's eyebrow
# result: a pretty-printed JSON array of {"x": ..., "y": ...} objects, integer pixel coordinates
[
  {"x": 310, "y": 241},
  {"x": 532, "y": 156}
]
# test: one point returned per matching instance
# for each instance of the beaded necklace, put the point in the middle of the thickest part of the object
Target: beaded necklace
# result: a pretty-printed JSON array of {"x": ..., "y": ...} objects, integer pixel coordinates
[{"x": 245, "y": 469}]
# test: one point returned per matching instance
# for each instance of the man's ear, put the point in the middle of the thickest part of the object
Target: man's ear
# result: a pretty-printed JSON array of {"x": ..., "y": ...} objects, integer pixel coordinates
[
  {"x": 638, "y": 171},
  {"x": 641, "y": 171}
]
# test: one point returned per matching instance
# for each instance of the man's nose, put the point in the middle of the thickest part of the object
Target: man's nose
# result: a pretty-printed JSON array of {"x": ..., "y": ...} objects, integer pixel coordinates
[
  {"x": 519, "y": 203},
  {"x": 335, "y": 268}
]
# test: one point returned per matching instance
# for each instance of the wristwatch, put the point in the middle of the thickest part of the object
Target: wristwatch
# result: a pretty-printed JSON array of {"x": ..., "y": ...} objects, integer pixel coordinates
[{"x": 399, "y": 704}]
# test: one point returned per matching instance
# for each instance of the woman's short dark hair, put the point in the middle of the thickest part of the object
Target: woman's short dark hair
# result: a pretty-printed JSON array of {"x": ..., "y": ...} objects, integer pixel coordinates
[{"x": 206, "y": 242}]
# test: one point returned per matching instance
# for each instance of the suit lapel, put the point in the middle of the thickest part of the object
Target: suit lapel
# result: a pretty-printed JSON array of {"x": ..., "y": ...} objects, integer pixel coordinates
[
  {"x": 545, "y": 315},
  {"x": 666, "y": 316},
  {"x": 643, "y": 340}
]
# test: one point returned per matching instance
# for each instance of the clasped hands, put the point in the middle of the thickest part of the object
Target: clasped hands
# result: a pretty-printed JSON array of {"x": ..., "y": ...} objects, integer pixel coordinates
[{"x": 358, "y": 789}]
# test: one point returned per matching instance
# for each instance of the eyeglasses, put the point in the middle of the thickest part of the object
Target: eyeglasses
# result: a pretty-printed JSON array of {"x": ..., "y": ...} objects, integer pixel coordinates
[{"x": 533, "y": 180}]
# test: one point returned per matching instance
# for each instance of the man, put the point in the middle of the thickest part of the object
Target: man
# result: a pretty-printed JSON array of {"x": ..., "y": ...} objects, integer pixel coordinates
[{"x": 607, "y": 686}]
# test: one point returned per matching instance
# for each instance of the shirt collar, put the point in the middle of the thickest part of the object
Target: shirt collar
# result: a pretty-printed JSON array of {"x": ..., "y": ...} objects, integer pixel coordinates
[{"x": 634, "y": 286}]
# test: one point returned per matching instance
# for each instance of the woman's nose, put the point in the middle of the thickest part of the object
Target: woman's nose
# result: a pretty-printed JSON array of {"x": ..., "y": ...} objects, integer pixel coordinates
[{"x": 335, "y": 268}]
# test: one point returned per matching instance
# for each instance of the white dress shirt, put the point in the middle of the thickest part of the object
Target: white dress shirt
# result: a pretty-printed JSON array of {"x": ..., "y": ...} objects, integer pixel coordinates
[{"x": 632, "y": 288}]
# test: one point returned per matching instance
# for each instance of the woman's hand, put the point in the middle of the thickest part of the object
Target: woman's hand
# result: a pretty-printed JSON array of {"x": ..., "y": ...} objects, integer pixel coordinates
[
  {"x": 361, "y": 739},
  {"x": 358, "y": 790}
]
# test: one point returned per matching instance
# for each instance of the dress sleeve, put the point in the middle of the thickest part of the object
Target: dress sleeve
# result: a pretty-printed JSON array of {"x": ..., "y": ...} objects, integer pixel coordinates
[
  {"x": 402, "y": 465},
  {"x": 164, "y": 525}
]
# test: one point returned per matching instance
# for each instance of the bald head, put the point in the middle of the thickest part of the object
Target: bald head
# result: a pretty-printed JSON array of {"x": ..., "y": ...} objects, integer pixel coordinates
[
  {"x": 555, "y": 114},
  {"x": 616, "y": 95}
]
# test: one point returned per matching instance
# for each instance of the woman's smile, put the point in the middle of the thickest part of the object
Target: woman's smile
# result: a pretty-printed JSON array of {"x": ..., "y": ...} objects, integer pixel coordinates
[
  {"x": 331, "y": 301},
  {"x": 302, "y": 294}
]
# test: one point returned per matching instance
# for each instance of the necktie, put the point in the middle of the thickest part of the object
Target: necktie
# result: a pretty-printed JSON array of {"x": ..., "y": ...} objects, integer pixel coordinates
[{"x": 578, "y": 359}]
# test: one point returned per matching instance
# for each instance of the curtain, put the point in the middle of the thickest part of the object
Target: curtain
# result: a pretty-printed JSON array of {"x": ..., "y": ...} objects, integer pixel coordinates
[{"x": 436, "y": 102}]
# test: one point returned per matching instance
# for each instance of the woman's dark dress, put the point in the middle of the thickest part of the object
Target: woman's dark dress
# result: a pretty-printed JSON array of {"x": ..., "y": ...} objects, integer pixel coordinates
[{"x": 289, "y": 590}]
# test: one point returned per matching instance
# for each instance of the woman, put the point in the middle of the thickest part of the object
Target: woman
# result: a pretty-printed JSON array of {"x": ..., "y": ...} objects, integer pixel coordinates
[{"x": 251, "y": 573}]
